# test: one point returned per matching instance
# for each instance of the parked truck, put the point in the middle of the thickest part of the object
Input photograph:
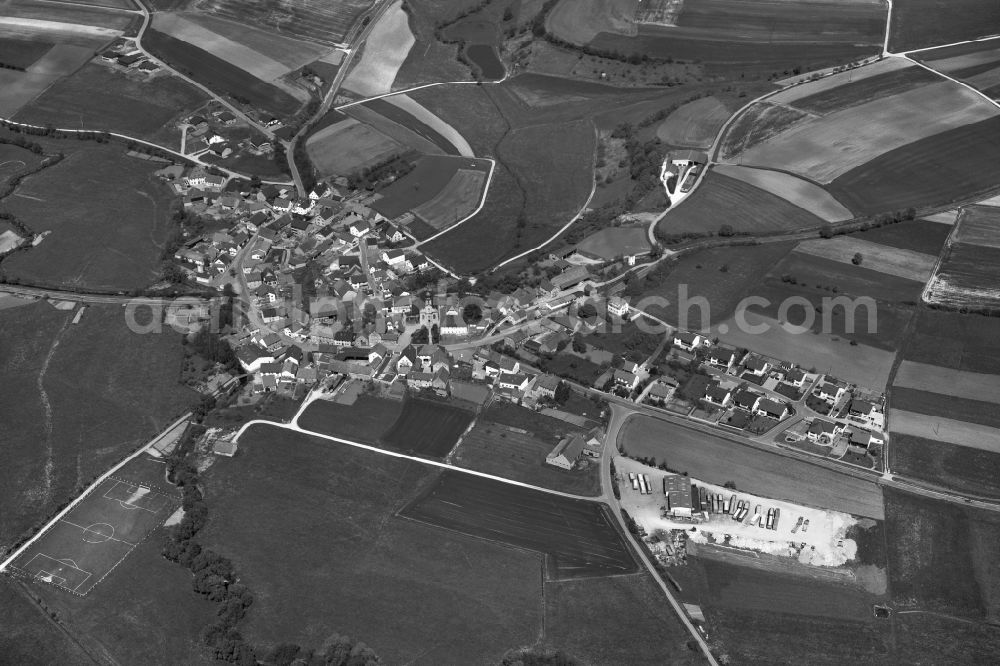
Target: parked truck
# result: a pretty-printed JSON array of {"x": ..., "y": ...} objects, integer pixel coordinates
[{"x": 634, "y": 480}]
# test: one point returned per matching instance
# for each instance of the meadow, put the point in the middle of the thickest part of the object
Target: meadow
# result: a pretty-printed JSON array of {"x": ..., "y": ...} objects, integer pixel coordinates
[
  {"x": 54, "y": 443},
  {"x": 921, "y": 236},
  {"x": 855, "y": 91},
  {"x": 695, "y": 124},
  {"x": 307, "y": 503},
  {"x": 22, "y": 53},
  {"x": 219, "y": 75},
  {"x": 398, "y": 129},
  {"x": 108, "y": 215},
  {"x": 615, "y": 242},
  {"x": 20, "y": 87},
  {"x": 125, "y": 105}
]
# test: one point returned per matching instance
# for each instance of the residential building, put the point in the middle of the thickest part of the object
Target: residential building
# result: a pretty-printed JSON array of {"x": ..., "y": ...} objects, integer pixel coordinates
[{"x": 566, "y": 452}]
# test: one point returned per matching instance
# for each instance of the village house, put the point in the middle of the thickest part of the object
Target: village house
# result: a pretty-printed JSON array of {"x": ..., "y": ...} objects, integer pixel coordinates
[
  {"x": 722, "y": 358},
  {"x": 687, "y": 341},
  {"x": 746, "y": 399},
  {"x": 823, "y": 431},
  {"x": 757, "y": 366},
  {"x": 618, "y": 306},
  {"x": 830, "y": 391},
  {"x": 625, "y": 379},
  {"x": 566, "y": 452},
  {"x": 717, "y": 395},
  {"x": 771, "y": 409}
]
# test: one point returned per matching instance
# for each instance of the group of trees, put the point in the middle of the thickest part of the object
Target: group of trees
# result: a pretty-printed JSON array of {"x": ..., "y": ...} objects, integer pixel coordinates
[{"x": 370, "y": 178}]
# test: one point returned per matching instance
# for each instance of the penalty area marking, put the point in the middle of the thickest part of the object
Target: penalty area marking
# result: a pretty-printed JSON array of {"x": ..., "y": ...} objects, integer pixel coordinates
[
  {"x": 52, "y": 570},
  {"x": 132, "y": 496}
]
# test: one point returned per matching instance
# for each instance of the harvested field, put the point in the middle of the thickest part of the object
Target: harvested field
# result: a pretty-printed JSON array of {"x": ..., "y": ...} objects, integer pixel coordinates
[
  {"x": 323, "y": 22},
  {"x": 126, "y": 105},
  {"x": 821, "y": 149},
  {"x": 837, "y": 81},
  {"x": 756, "y": 125},
  {"x": 399, "y": 128},
  {"x": 871, "y": 88},
  {"x": 428, "y": 428},
  {"x": 219, "y": 75},
  {"x": 921, "y": 236},
  {"x": 943, "y": 429},
  {"x": 881, "y": 258},
  {"x": 459, "y": 198},
  {"x": 968, "y": 276},
  {"x": 431, "y": 176},
  {"x": 799, "y": 192},
  {"x": 615, "y": 242},
  {"x": 349, "y": 145},
  {"x": 232, "y": 51},
  {"x": 579, "y": 21},
  {"x": 306, "y": 521},
  {"x": 949, "y": 465},
  {"x": 389, "y": 110},
  {"x": 959, "y": 383},
  {"x": 923, "y": 23},
  {"x": 695, "y": 124},
  {"x": 419, "y": 118},
  {"x": 109, "y": 217},
  {"x": 978, "y": 225},
  {"x": 366, "y": 420},
  {"x": 503, "y": 451},
  {"x": 951, "y": 166},
  {"x": 941, "y": 402},
  {"x": 862, "y": 364},
  {"x": 21, "y": 53},
  {"x": 383, "y": 54},
  {"x": 717, "y": 460},
  {"x": 721, "y": 200},
  {"x": 578, "y": 537}
]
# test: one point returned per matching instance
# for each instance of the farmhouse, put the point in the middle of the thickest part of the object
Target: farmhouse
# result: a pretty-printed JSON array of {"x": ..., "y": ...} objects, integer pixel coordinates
[
  {"x": 566, "y": 452},
  {"x": 683, "y": 158}
]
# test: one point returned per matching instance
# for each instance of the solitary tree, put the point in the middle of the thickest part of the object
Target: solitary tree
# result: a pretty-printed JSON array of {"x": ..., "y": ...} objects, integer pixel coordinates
[{"x": 857, "y": 259}]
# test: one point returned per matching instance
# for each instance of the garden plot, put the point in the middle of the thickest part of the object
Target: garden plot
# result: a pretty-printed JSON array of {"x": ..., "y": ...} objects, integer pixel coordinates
[{"x": 823, "y": 542}]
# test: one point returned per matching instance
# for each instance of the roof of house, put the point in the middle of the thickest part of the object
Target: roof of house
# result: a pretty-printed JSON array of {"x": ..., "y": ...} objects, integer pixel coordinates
[
  {"x": 821, "y": 427},
  {"x": 716, "y": 393},
  {"x": 769, "y": 406},
  {"x": 570, "y": 447},
  {"x": 746, "y": 398}
]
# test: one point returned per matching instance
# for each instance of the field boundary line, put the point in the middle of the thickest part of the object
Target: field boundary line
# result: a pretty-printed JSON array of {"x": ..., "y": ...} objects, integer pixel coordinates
[
  {"x": 482, "y": 202},
  {"x": 5, "y": 565},
  {"x": 943, "y": 46},
  {"x": 425, "y": 461},
  {"x": 953, "y": 80}
]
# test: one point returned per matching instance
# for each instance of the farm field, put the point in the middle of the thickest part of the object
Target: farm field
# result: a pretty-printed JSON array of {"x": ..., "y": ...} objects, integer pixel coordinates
[
  {"x": 125, "y": 105},
  {"x": 746, "y": 209},
  {"x": 695, "y": 124},
  {"x": 321, "y": 22},
  {"x": 397, "y": 129},
  {"x": 615, "y": 242},
  {"x": 960, "y": 57},
  {"x": 853, "y": 91},
  {"x": 291, "y": 499},
  {"x": 22, "y": 87},
  {"x": 959, "y": 383},
  {"x": 963, "y": 433},
  {"x": 383, "y": 54},
  {"x": 455, "y": 202},
  {"x": 822, "y": 149},
  {"x": 366, "y": 421},
  {"x": 954, "y": 340},
  {"x": 837, "y": 80},
  {"x": 499, "y": 450},
  {"x": 108, "y": 217},
  {"x": 921, "y": 236},
  {"x": 796, "y": 191},
  {"x": 78, "y": 13},
  {"x": 702, "y": 274},
  {"x": 402, "y": 110},
  {"x": 968, "y": 276},
  {"x": 939, "y": 401},
  {"x": 14, "y": 160},
  {"x": 579, "y": 22},
  {"x": 893, "y": 261},
  {"x": 977, "y": 225},
  {"x": 950, "y": 465},
  {"x": 22, "y": 53},
  {"x": 430, "y": 178},
  {"x": 578, "y": 537},
  {"x": 427, "y": 428},
  {"x": 717, "y": 460},
  {"x": 638, "y": 627},
  {"x": 948, "y": 167},
  {"x": 51, "y": 441},
  {"x": 348, "y": 146},
  {"x": 941, "y": 556},
  {"x": 923, "y": 23},
  {"x": 757, "y": 124},
  {"x": 219, "y": 75}
]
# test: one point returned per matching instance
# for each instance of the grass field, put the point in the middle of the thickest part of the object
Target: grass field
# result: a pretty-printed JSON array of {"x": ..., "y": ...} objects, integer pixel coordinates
[
  {"x": 431, "y": 60},
  {"x": 893, "y": 261},
  {"x": 90, "y": 541},
  {"x": 431, "y": 176},
  {"x": 716, "y": 460},
  {"x": 456, "y": 201},
  {"x": 721, "y": 200},
  {"x": 367, "y": 420},
  {"x": 29, "y": 635},
  {"x": 326, "y": 514},
  {"x": 822, "y": 149},
  {"x": 109, "y": 218},
  {"x": 499, "y": 450},
  {"x": 14, "y": 160},
  {"x": 384, "y": 52},
  {"x": 959, "y": 383},
  {"x": 312, "y": 20},
  {"x": 952, "y": 166},
  {"x": 796, "y": 191},
  {"x": 695, "y": 124},
  {"x": 950, "y": 465},
  {"x": 941, "y": 556},
  {"x": 126, "y": 105},
  {"x": 578, "y": 537},
  {"x": 616, "y": 242},
  {"x": 219, "y": 75},
  {"x": 348, "y": 146},
  {"x": 53, "y": 443},
  {"x": 427, "y": 428},
  {"x": 923, "y": 23},
  {"x": 579, "y": 22}
]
